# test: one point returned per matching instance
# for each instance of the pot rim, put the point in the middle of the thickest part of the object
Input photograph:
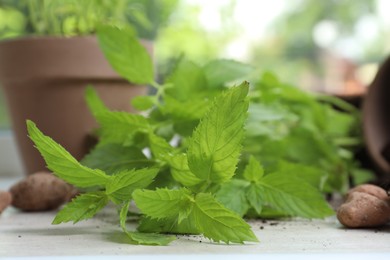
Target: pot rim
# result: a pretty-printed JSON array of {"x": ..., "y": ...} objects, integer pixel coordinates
[{"x": 53, "y": 57}]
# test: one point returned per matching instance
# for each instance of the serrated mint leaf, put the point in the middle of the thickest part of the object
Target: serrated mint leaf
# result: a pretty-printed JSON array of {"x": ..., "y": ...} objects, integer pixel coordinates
[
  {"x": 126, "y": 54},
  {"x": 233, "y": 196},
  {"x": 120, "y": 127},
  {"x": 217, "y": 223},
  {"x": 215, "y": 145},
  {"x": 181, "y": 172},
  {"x": 95, "y": 104},
  {"x": 113, "y": 158},
  {"x": 293, "y": 196},
  {"x": 159, "y": 147},
  {"x": 171, "y": 226},
  {"x": 220, "y": 72},
  {"x": 82, "y": 207},
  {"x": 255, "y": 197},
  {"x": 150, "y": 239},
  {"x": 188, "y": 110},
  {"x": 314, "y": 176},
  {"x": 123, "y": 215},
  {"x": 121, "y": 186},
  {"x": 138, "y": 238},
  {"x": 253, "y": 171},
  {"x": 163, "y": 203},
  {"x": 188, "y": 80},
  {"x": 62, "y": 163},
  {"x": 142, "y": 103}
]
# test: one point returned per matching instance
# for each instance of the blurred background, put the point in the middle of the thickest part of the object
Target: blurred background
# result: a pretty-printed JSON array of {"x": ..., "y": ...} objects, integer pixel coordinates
[{"x": 332, "y": 46}]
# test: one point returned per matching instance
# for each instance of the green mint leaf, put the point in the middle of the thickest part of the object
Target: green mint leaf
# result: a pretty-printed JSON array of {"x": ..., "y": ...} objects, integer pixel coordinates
[
  {"x": 217, "y": 223},
  {"x": 150, "y": 239},
  {"x": 126, "y": 54},
  {"x": 215, "y": 145},
  {"x": 137, "y": 238},
  {"x": 293, "y": 196},
  {"x": 189, "y": 110},
  {"x": 188, "y": 80},
  {"x": 120, "y": 127},
  {"x": 113, "y": 158},
  {"x": 143, "y": 103},
  {"x": 253, "y": 171},
  {"x": 159, "y": 147},
  {"x": 163, "y": 203},
  {"x": 62, "y": 163},
  {"x": 123, "y": 215},
  {"x": 170, "y": 225},
  {"x": 82, "y": 207},
  {"x": 181, "y": 172},
  {"x": 314, "y": 176},
  {"x": 121, "y": 186},
  {"x": 255, "y": 198},
  {"x": 116, "y": 127},
  {"x": 95, "y": 104},
  {"x": 233, "y": 196},
  {"x": 270, "y": 213},
  {"x": 220, "y": 72}
]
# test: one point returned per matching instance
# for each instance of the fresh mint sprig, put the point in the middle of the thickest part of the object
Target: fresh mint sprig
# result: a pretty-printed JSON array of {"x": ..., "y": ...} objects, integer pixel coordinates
[
  {"x": 213, "y": 153},
  {"x": 204, "y": 213},
  {"x": 189, "y": 165},
  {"x": 117, "y": 188}
]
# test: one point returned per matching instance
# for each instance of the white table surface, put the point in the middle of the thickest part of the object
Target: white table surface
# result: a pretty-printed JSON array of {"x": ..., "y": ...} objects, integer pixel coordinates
[{"x": 32, "y": 235}]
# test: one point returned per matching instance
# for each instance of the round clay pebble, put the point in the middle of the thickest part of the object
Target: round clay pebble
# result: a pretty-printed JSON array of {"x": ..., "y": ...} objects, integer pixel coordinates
[
  {"x": 5, "y": 200},
  {"x": 364, "y": 210},
  {"x": 370, "y": 189},
  {"x": 40, "y": 191}
]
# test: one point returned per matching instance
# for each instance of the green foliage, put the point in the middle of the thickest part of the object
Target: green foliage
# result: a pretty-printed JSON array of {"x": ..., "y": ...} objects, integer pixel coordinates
[
  {"x": 212, "y": 156},
  {"x": 120, "y": 186},
  {"x": 284, "y": 191},
  {"x": 253, "y": 171},
  {"x": 62, "y": 163},
  {"x": 125, "y": 54},
  {"x": 199, "y": 210},
  {"x": 215, "y": 145},
  {"x": 113, "y": 158},
  {"x": 222, "y": 72},
  {"x": 218, "y": 223},
  {"x": 120, "y": 127},
  {"x": 187, "y": 80},
  {"x": 163, "y": 203},
  {"x": 82, "y": 17},
  {"x": 294, "y": 126},
  {"x": 292, "y": 196},
  {"x": 149, "y": 239},
  {"x": 137, "y": 238},
  {"x": 82, "y": 207}
]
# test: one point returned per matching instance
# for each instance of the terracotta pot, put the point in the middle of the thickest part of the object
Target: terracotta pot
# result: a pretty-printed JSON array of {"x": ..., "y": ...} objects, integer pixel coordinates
[
  {"x": 44, "y": 80},
  {"x": 376, "y": 119}
]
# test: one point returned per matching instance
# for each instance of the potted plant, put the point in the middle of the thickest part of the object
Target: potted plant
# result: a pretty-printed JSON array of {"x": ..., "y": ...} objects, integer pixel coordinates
[{"x": 44, "y": 75}]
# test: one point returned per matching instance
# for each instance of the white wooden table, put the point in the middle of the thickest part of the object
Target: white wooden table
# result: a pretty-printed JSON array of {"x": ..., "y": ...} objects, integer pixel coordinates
[{"x": 32, "y": 235}]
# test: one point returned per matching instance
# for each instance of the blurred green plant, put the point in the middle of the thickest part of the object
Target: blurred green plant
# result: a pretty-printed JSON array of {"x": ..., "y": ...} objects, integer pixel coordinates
[{"x": 80, "y": 17}]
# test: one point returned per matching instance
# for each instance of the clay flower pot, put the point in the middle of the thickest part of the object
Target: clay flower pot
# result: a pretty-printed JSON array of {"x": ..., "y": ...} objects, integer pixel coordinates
[
  {"x": 376, "y": 119},
  {"x": 44, "y": 80}
]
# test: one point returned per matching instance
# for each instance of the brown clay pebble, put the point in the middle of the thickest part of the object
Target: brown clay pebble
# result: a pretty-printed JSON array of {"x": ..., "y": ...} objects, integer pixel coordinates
[
  {"x": 5, "y": 200},
  {"x": 370, "y": 189},
  {"x": 40, "y": 191},
  {"x": 364, "y": 210}
]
